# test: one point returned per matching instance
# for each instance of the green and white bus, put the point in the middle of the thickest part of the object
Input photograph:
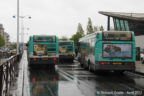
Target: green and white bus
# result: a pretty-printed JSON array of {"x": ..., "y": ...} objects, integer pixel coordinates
[
  {"x": 43, "y": 49},
  {"x": 66, "y": 50},
  {"x": 108, "y": 50}
]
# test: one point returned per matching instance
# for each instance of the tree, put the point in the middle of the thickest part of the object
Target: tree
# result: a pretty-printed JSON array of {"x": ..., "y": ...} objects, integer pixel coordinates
[
  {"x": 89, "y": 27},
  {"x": 80, "y": 30},
  {"x": 95, "y": 28},
  {"x": 78, "y": 35},
  {"x": 2, "y": 41},
  {"x": 63, "y": 38},
  {"x": 101, "y": 28}
]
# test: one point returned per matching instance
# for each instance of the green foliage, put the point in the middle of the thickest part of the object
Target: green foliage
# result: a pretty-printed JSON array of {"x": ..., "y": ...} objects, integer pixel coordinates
[
  {"x": 79, "y": 34},
  {"x": 96, "y": 28},
  {"x": 80, "y": 30},
  {"x": 89, "y": 27},
  {"x": 101, "y": 28},
  {"x": 13, "y": 46},
  {"x": 2, "y": 41}
]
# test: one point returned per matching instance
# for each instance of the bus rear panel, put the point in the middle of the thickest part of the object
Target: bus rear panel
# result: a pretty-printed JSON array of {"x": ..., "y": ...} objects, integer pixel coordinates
[
  {"x": 43, "y": 50},
  {"x": 66, "y": 50},
  {"x": 109, "y": 50}
]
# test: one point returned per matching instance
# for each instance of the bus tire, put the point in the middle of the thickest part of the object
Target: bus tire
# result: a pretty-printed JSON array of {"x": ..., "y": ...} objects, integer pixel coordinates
[
  {"x": 89, "y": 66},
  {"x": 86, "y": 66},
  {"x": 81, "y": 64},
  {"x": 71, "y": 60},
  {"x": 142, "y": 61}
]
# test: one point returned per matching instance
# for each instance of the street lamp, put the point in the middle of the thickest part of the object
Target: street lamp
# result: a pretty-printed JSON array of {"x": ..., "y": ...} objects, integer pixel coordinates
[
  {"x": 22, "y": 30},
  {"x": 17, "y": 27}
]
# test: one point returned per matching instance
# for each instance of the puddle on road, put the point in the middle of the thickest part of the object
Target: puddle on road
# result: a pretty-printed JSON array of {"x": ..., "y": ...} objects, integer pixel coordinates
[{"x": 50, "y": 83}]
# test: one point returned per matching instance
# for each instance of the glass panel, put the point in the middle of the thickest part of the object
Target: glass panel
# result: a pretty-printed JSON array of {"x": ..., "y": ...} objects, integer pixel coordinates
[
  {"x": 44, "y": 39},
  {"x": 65, "y": 43},
  {"x": 122, "y": 25},
  {"x": 118, "y": 24},
  {"x": 115, "y": 25},
  {"x": 126, "y": 25},
  {"x": 117, "y": 36}
]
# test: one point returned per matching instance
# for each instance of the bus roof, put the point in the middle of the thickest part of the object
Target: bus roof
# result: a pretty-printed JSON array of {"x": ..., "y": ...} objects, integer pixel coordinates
[
  {"x": 90, "y": 35},
  {"x": 66, "y": 41},
  {"x": 44, "y": 35}
]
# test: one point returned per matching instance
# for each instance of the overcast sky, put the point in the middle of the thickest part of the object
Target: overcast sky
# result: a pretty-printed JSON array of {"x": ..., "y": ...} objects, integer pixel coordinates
[{"x": 61, "y": 17}]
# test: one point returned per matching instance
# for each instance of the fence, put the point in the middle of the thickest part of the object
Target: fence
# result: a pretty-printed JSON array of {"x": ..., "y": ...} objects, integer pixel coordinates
[
  {"x": 8, "y": 72},
  {"x": 4, "y": 55}
]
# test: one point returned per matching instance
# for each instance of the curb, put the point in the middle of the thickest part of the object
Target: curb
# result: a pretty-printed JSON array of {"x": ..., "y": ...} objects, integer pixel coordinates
[{"x": 140, "y": 73}]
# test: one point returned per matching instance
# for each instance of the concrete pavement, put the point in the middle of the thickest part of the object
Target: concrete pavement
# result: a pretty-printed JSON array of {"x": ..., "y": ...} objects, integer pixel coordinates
[{"x": 139, "y": 67}]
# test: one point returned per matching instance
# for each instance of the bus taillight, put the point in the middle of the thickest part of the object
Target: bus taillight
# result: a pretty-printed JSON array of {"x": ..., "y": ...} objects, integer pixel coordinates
[
  {"x": 55, "y": 59},
  {"x": 105, "y": 63},
  {"x": 130, "y": 63},
  {"x": 34, "y": 59},
  {"x": 54, "y": 79}
]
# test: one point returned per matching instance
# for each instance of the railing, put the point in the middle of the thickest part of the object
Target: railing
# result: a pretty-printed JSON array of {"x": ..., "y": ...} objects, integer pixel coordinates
[
  {"x": 4, "y": 55},
  {"x": 8, "y": 72}
]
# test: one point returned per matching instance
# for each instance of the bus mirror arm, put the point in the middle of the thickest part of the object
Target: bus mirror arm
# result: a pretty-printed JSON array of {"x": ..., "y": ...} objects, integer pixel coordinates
[{"x": 26, "y": 44}]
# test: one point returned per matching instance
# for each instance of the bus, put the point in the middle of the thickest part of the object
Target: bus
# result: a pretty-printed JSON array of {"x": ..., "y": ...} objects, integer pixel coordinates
[
  {"x": 43, "y": 49},
  {"x": 66, "y": 50},
  {"x": 108, "y": 50}
]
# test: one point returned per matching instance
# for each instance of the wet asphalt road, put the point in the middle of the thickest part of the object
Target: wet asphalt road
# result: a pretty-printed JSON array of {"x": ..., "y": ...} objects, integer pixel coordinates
[{"x": 69, "y": 79}]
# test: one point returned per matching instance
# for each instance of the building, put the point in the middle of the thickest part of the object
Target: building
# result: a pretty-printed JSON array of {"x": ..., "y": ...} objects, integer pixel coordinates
[
  {"x": 127, "y": 22},
  {"x": 1, "y": 30},
  {"x": 4, "y": 35}
]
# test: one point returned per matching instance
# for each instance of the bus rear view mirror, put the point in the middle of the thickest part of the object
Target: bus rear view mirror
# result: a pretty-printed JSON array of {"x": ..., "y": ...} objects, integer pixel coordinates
[{"x": 26, "y": 44}]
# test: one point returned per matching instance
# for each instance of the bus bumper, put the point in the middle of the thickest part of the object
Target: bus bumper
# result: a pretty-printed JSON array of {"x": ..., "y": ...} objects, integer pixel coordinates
[
  {"x": 66, "y": 57},
  {"x": 124, "y": 66},
  {"x": 48, "y": 61}
]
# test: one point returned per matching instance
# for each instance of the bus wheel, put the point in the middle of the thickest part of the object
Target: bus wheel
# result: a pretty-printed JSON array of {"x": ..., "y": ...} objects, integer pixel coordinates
[
  {"x": 81, "y": 65},
  {"x": 89, "y": 67},
  {"x": 71, "y": 60},
  {"x": 142, "y": 61}
]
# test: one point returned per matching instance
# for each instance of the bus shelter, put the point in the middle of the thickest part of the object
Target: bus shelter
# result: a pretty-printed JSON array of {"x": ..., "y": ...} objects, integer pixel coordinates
[{"x": 126, "y": 21}]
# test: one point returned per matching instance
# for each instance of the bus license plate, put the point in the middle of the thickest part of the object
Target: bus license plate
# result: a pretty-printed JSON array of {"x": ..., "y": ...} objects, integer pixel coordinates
[
  {"x": 117, "y": 63},
  {"x": 44, "y": 58}
]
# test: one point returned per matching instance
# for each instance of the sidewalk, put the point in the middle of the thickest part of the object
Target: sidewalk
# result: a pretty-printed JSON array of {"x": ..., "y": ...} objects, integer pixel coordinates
[{"x": 139, "y": 67}]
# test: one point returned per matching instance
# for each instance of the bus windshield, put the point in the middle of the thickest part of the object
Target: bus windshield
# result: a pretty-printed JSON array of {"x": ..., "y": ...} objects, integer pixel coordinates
[
  {"x": 65, "y": 43},
  {"x": 117, "y": 50},
  {"x": 117, "y": 36},
  {"x": 44, "y": 39},
  {"x": 65, "y": 47}
]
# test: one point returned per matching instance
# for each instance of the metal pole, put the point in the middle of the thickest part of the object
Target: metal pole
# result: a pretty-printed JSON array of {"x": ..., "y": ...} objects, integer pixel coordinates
[
  {"x": 1, "y": 80},
  {"x": 22, "y": 32},
  {"x": 17, "y": 26},
  {"x": 108, "y": 24}
]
